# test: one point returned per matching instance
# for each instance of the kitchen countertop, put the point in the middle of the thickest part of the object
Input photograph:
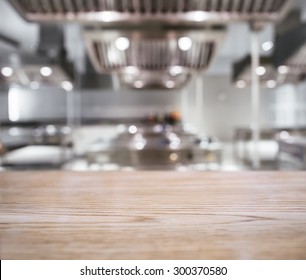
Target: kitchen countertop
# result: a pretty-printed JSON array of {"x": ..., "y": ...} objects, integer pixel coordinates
[{"x": 152, "y": 215}]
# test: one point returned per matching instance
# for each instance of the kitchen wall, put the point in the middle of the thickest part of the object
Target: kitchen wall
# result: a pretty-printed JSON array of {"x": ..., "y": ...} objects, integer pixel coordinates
[
  {"x": 3, "y": 106},
  {"x": 224, "y": 106}
]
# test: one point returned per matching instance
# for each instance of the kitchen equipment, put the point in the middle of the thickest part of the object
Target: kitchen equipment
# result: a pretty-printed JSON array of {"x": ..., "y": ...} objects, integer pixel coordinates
[
  {"x": 156, "y": 79},
  {"x": 36, "y": 75},
  {"x": 269, "y": 146},
  {"x": 156, "y": 147},
  {"x": 152, "y": 58},
  {"x": 35, "y": 147},
  {"x": 292, "y": 153},
  {"x": 178, "y": 12},
  {"x": 46, "y": 65},
  {"x": 270, "y": 77},
  {"x": 292, "y": 57}
]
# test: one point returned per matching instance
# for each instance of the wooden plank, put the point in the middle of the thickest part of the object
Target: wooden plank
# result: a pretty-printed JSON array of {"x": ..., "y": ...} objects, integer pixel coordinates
[{"x": 152, "y": 215}]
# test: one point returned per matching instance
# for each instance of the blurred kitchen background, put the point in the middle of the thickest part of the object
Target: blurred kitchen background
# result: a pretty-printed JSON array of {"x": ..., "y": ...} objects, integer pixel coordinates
[{"x": 152, "y": 85}]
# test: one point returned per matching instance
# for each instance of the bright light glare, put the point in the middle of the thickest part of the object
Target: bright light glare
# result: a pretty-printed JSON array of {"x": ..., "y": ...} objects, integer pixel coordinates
[
  {"x": 170, "y": 84},
  {"x": 284, "y": 135},
  {"x": 67, "y": 86},
  {"x": 199, "y": 16},
  {"x": 46, "y": 71},
  {"x": 241, "y": 84},
  {"x": 173, "y": 157},
  {"x": 7, "y": 71},
  {"x": 14, "y": 131},
  {"x": 283, "y": 69},
  {"x": 122, "y": 43},
  {"x": 138, "y": 84},
  {"x": 185, "y": 43},
  {"x": 131, "y": 70},
  {"x": 132, "y": 129},
  {"x": 267, "y": 46},
  {"x": 175, "y": 70},
  {"x": 107, "y": 16},
  {"x": 260, "y": 71},
  {"x": 140, "y": 145},
  {"x": 14, "y": 105},
  {"x": 51, "y": 129},
  {"x": 271, "y": 84}
]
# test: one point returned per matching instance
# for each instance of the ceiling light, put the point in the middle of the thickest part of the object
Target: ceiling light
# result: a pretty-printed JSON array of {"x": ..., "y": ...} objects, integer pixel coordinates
[
  {"x": 107, "y": 16},
  {"x": 241, "y": 84},
  {"x": 283, "y": 69},
  {"x": 122, "y": 43},
  {"x": 170, "y": 84},
  {"x": 46, "y": 71},
  {"x": 271, "y": 84},
  {"x": 176, "y": 70},
  {"x": 7, "y": 71},
  {"x": 199, "y": 16},
  {"x": 132, "y": 129},
  {"x": 185, "y": 43},
  {"x": 267, "y": 46},
  {"x": 132, "y": 70},
  {"x": 138, "y": 84},
  {"x": 260, "y": 71},
  {"x": 66, "y": 85}
]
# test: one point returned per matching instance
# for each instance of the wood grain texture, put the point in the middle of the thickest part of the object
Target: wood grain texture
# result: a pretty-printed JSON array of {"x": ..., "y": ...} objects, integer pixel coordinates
[{"x": 152, "y": 215}]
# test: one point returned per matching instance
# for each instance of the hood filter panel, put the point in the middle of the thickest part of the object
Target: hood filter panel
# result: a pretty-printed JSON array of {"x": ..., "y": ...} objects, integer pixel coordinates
[
  {"x": 153, "y": 79},
  {"x": 270, "y": 76},
  {"x": 34, "y": 76},
  {"x": 150, "y": 55},
  {"x": 152, "y": 59},
  {"x": 152, "y": 10},
  {"x": 112, "y": 51}
]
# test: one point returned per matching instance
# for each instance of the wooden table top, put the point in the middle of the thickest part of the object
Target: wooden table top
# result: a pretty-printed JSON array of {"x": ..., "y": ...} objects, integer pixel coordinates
[{"x": 152, "y": 215}]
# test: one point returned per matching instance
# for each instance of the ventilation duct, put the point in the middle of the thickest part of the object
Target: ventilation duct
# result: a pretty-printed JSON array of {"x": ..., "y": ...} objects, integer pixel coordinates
[
  {"x": 153, "y": 79},
  {"x": 165, "y": 11},
  {"x": 270, "y": 76},
  {"x": 36, "y": 75},
  {"x": 47, "y": 67},
  {"x": 164, "y": 59},
  {"x": 292, "y": 55}
]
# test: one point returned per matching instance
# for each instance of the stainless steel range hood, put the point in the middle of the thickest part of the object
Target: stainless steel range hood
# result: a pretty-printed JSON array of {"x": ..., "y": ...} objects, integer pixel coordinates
[
  {"x": 133, "y": 78},
  {"x": 176, "y": 12},
  {"x": 36, "y": 75},
  {"x": 47, "y": 66},
  {"x": 146, "y": 58},
  {"x": 270, "y": 76},
  {"x": 292, "y": 55}
]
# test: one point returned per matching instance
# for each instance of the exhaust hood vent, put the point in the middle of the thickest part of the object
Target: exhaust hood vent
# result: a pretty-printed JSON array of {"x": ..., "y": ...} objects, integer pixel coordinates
[
  {"x": 153, "y": 79},
  {"x": 146, "y": 51},
  {"x": 171, "y": 11},
  {"x": 47, "y": 67},
  {"x": 147, "y": 59},
  {"x": 270, "y": 77},
  {"x": 292, "y": 55},
  {"x": 35, "y": 76}
]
